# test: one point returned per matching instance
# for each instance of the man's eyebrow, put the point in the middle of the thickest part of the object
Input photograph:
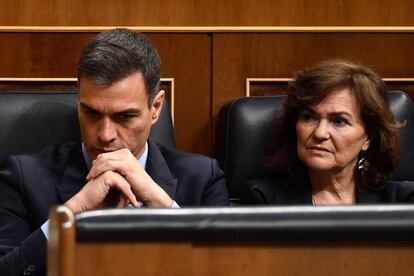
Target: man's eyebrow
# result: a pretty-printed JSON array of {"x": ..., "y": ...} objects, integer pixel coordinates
[
  {"x": 84, "y": 105},
  {"x": 121, "y": 112},
  {"x": 128, "y": 111}
]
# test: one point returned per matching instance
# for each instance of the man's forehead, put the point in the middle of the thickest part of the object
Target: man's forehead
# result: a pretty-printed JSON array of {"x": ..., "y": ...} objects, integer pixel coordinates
[
  {"x": 105, "y": 81},
  {"x": 132, "y": 85}
]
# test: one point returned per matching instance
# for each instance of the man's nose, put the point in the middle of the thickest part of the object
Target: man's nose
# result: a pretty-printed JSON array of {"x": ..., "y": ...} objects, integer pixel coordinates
[
  {"x": 107, "y": 130},
  {"x": 322, "y": 130}
]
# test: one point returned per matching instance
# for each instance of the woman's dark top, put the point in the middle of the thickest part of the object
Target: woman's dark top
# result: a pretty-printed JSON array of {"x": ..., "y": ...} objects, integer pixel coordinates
[{"x": 284, "y": 190}]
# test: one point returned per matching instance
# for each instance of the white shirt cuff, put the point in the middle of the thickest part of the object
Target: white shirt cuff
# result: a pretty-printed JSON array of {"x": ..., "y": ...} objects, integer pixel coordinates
[
  {"x": 45, "y": 229},
  {"x": 174, "y": 205}
]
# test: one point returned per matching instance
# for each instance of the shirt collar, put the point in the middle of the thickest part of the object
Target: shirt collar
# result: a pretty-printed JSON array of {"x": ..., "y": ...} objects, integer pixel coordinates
[{"x": 142, "y": 160}]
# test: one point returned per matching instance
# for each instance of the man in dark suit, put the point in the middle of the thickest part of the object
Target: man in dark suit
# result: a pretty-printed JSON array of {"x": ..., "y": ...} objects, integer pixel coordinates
[{"x": 115, "y": 165}]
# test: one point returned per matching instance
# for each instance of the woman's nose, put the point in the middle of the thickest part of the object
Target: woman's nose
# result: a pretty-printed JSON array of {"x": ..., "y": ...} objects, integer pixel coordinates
[{"x": 321, "y": 130}]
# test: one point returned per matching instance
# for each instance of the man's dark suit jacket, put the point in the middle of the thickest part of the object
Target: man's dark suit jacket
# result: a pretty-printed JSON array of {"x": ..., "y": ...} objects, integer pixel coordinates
[
  {"x": 31, "y": 184},
  {"x": 283, "y": 190}
]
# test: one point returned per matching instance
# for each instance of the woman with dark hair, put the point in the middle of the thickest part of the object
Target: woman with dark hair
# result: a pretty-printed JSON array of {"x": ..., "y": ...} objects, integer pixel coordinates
[{"x": 337, "y": 142}]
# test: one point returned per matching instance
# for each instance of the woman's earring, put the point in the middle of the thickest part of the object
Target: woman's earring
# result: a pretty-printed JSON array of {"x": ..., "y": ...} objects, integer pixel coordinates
[{"x": 363, "y": 163}]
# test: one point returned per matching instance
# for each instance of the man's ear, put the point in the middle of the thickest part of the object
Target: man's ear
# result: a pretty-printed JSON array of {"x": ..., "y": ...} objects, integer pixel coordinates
[{"x": 156, "y": 105}]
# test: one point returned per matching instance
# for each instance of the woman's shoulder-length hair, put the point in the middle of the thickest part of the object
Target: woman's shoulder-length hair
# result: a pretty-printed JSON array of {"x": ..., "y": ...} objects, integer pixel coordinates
[{"x": 310, "y": 87}]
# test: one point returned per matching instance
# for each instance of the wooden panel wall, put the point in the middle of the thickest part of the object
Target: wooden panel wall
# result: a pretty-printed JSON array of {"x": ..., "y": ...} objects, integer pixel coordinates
[
  {"x": 245, "y": 258},
  {"x": 279, "y": 55},
  {"x": 207, "y": 13},
  {"x": 209, "y": 65}
]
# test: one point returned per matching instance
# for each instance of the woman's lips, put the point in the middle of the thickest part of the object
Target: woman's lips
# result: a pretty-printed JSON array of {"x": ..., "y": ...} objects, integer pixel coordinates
[{"x": 319, "y": 149}]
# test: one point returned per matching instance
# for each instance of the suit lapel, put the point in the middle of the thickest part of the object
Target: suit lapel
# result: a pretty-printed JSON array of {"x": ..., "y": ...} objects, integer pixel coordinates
[
  {"x": 159, "y": 171},
  {"x": 301, "y": 193},
  {"x": 288, "y": 191},
  {"x": 74, "y": 175},
  {"x": 367, "y": 196}
]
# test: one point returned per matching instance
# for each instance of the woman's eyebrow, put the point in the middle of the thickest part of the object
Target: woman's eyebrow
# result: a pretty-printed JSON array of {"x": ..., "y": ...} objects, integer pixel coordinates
[
  {"x": 308, "y": 109},
  {"x": 340, "y": 113}
]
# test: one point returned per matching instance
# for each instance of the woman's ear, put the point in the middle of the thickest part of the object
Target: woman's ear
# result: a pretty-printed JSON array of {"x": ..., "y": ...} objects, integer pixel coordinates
[{"x": 366, "y": 145}]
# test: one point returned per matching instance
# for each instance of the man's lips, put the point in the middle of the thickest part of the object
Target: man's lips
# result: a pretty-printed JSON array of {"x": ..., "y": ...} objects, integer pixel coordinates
[{"x": 104, "y": 150}]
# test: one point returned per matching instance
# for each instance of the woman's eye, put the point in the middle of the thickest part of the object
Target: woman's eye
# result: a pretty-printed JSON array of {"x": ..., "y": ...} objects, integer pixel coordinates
[
  {"x": 307, "y": 117},
  {"x": 340, "y": 121}
]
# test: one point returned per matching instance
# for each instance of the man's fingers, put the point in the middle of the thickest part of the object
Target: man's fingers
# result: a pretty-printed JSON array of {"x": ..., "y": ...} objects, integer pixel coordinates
[
  {"x": 118, "y": 182},
  {"x": 101, "y": 167},
  {"x": 117, "y": 161},
  {"x": 123, "y": 202}
]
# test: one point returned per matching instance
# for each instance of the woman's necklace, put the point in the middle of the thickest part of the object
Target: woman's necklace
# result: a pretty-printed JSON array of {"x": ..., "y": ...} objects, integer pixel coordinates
[{"x": 314, "y": 203}]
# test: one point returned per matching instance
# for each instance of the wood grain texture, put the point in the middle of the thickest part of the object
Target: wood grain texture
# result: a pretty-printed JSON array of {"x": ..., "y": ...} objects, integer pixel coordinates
[
  {"x": 269, "y": 88},
  {"x": 41, "y": 54},
  {"x": 207, "y": 13},
  {"x": 187, "y": 59},
  {"x": 232, "y": 258},
  {"x": 240, "y": 56},
  {"x": 61, "y": 246}
]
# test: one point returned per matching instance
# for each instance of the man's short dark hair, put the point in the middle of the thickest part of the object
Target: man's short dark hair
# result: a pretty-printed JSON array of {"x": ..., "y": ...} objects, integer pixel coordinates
[{"x": 115, "y": 54}]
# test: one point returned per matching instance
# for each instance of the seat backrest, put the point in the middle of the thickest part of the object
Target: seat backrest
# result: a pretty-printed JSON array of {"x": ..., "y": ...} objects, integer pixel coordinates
[
  {"x": 117, "y": 241},
  {"x": 250, "y": 129},
  {"x": 31, "y": 120}
]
